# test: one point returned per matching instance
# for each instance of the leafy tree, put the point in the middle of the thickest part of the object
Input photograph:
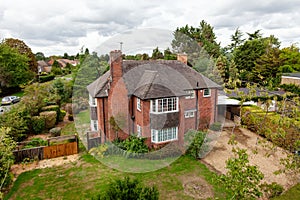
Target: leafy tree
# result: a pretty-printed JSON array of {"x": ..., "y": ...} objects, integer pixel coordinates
[
  {"x": 7, "y": 145},
  {"x": 14, "y": 70},
  {"x": 291, "y": 57},
  {"x": 242, "y": 180},
  {"x": 56, "y": 69},
  {"x": 40, "y": 56},
  {"x": 202, "y": 35},
  {"x": 236, "y": 40},
  {"x": 129, "y": 189},
  {"x": 157, "y": 54},
  {"x": 24, "y": 50},
  {"x": 168, "y": 55}
]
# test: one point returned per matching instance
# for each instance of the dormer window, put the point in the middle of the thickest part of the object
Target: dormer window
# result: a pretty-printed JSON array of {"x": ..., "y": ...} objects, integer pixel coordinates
[
  {"x": 191, "y": 94},
  {"x": 206, "y": 92},
  {"x": 92, "y": 101}
]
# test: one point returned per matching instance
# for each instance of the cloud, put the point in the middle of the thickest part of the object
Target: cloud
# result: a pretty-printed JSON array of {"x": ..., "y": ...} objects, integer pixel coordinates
[{"x": 57, "y": 26}]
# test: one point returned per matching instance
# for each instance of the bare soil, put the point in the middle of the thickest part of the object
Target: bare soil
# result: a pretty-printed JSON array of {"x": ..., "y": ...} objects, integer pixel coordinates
[{"x": 259, "y": 153}]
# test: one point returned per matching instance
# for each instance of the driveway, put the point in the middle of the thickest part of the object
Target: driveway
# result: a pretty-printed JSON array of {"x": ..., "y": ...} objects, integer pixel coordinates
[{"x": 267, "y": 160}]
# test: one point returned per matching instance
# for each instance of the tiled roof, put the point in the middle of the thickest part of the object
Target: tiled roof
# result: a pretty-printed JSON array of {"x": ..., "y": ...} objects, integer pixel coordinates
[
  {"x": 258, "y": 92},
  {"x": 155, "y": 79}
]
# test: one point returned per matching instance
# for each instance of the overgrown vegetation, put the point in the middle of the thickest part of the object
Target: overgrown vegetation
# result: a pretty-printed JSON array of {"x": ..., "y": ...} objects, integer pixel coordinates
[{"x": 129, "y": 189}]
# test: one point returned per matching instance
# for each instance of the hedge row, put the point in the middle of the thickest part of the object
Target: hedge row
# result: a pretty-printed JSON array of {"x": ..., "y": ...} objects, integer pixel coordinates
[{"x": 282, "y": 131}]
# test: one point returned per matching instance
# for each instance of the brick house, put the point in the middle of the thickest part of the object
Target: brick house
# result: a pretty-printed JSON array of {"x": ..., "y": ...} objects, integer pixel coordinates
[{"x": 157, "y": 99}]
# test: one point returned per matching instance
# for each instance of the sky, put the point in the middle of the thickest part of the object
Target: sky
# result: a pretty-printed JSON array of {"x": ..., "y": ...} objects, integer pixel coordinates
[{"x": 58, "y": 26}]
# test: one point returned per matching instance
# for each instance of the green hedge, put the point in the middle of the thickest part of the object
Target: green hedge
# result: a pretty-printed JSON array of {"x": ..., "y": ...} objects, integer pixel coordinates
[
  {"x": 38, "y": 124},
  {"x": 282, "y": 131},
  {"x": 50, "y": 118},
  {"x": 46, "y": 78},
  {"x": 53, "y": 108}
]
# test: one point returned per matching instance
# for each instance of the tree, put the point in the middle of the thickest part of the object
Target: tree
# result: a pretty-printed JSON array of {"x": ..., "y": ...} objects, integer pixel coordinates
[
  {"x": 129, "y": 189},
  {"x": 242, "y": 180},
  {"x": 56, "y": 69},
  {"x": 157, "y": 54},
  {"x": 7, "y": 145},
  {"x": 14, "y": 69},
  {"x": 202, "y": 35},
  {"x": 24, "y": 50},
  {"x": 168, "y": 55},
  {"x": 40, "y": 56},
  {"x": 236, "y": 40},
  {"x": 291, "y": 57}
]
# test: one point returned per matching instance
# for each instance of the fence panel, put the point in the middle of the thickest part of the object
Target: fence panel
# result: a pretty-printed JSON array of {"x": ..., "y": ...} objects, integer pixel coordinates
[
  {"x": 32, "y": 153},
  {"x": 60, "y": 150}
]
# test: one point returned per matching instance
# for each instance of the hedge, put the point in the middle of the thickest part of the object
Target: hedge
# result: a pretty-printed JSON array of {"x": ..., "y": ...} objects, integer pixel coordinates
[
  {"x": 49, "y": 77},
  {"x": 50, "y": 118},
  {"x": 38, "y": 124},
  {"x": 282, "y": 131},
  {"x": 53, "y": 108}
]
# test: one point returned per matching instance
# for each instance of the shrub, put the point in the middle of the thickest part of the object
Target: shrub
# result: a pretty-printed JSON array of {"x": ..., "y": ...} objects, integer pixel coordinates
[
  {"x": 38, "y": 124},
  {"x": 50, "y": 118},
  {"x": 53, "y": 108},
  {"x": 195, "y": 149},
  {"x": 129, "y": 189},
  {"x": 35, "y": 142},
  {"x": 62, "y": 115},
  {"x": 55, "y": 131},
  {"x": 46, "y": 78},
  {"x": 215, "y": 126},
  {"x": 272, "y": 190},
  {"x": 70, "y": 118}
]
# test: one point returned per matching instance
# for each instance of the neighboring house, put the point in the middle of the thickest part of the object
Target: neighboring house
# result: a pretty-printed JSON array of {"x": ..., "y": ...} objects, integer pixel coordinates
[
  {"x": 43, "y": 67},
  {"x": 157, "y": 99},
  {"x": 290, "y": 78},
  {"x": 63, "y": 62}
]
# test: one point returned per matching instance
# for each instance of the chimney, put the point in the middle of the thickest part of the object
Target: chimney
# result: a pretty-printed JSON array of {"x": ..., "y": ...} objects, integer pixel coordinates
[
  {"x": 116, "y": 61},
  {"x": 182, "y": 58}
]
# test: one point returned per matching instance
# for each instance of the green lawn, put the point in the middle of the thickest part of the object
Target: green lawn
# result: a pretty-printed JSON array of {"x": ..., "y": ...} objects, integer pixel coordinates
[
  {"x": 87, "y": 177},
  {"x": 293, "y": 193}
]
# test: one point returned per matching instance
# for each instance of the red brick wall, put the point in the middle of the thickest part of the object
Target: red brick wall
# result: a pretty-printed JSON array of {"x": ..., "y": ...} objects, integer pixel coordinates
[
  {"x": 185, "y": 105},
  {"x": 102, "y": 117},
  {"x": 206, "y": 107}
]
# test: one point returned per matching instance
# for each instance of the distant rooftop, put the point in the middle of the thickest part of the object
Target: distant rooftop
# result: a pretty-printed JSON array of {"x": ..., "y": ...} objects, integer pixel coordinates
[{"x": 297, "y": 75}]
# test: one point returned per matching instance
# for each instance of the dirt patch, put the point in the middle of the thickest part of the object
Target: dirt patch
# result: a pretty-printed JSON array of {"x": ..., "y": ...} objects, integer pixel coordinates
[
  {"x": 20, "y": 168},
  {"x": 196, "y": 187},
  {"x": 250, "y": 141}
]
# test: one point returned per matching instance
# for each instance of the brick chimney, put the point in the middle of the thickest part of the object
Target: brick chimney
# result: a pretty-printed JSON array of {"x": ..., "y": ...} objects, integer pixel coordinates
[
  {"x": 182, "y": 58},
  {"x": 116, "y": 61}
]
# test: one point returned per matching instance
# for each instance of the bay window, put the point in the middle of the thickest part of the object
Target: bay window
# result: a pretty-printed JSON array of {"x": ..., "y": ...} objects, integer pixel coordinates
[
  {"x": 164, "y": 105},
  {"x": 164, "y": 135}
]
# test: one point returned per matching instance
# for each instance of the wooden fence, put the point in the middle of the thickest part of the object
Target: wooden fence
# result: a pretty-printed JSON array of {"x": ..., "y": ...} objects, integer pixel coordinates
[
  {"x": 57, "y": 146},
  {"x": 93, "y": 139}
]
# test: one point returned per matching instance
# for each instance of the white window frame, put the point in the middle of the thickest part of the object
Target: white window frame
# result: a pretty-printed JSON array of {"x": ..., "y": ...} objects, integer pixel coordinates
[
  {"x": 164, "y": 105},
  {"x": 207, "y": 95},
  {"x": 164, "y": 135},
  {"x": 138, "y": 104},
  {"x": 189, "y": 113},
  {"x": 94, "y": 125},
  {"x": 139, "y": 130},
  {"x": 92, "y": 101},
  {"x": 191, "y": 94}
]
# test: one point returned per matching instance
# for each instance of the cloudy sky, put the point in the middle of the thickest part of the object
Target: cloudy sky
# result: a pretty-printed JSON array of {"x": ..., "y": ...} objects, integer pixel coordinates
[{"x": 55, "y": 26}]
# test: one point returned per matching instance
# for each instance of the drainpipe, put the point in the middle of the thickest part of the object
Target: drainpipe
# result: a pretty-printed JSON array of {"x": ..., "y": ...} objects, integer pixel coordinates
[
  {"x": 196, "y": 114},
  {"x": 104, "y": 126}
]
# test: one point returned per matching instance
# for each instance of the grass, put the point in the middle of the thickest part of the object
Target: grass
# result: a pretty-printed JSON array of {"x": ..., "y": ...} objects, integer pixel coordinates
[
  {"x": 69, "y": 129},
  {"x": 87, "y": 177},
  {"x": 83, "y": 117},
  {"x": 292, "y": 193}
]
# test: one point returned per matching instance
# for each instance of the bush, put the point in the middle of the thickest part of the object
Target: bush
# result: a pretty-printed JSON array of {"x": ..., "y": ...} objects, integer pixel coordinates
[
  {"x": 272, "y": 190},
  {"x": 50, "y": 118},
  {"x": 195, "y": 149},
  {"x": 46, "y": 78},
  {"x": 55, "y": 131},
  {"x": 215, "y": 126},
  {"x": 129, "y": 189},
  {"x": 62, "y": 115},
  {"x": 53, "y": 108},
  {"x": 38, "y": 124},
  {"x": 35, "y": 142},
  {"x": 70, "y": 118}
]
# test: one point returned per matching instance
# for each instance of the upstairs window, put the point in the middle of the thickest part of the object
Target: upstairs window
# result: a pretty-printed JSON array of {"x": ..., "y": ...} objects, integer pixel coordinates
[
  {"x": 206, "y": 92},
  {"x": 92, "y": 101},
  {"x": 164, "y": 105},
  {"x": 189, "y": 114},
  {"x": 191, "y": 94},
  {"x": 138, "y": 104}
]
